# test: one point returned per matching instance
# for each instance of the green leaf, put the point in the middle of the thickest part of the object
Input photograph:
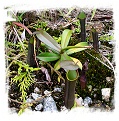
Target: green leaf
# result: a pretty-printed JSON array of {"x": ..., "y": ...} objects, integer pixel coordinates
[
  {"x": 57, "y": 65},
  {"x": 69, "y": 65},
  {"x": 77, "y": 62},
  {"x": 65, "y": 38},
  {"x": 77, "y": 49},
  {"x": 47, "y": 57},
  {"x": 72, "y": 75},
  {"x": 49, "y": 48},
  {"x": 93, "y": 14},
  {"x": 82, "y": 15},
  {"x": 48, "y": 40}
]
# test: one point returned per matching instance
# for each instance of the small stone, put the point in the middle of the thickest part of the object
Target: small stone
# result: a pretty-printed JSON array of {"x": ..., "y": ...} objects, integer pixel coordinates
[
  {"x": 36, "y": 90},
  {"x": 79, "y": 101},
  {"x": 36, "y": 96},
  {"x": 57, "y": 89},
  {"x": 108, "y": 79},
  {"x": 49, "y": 104},
  {"x": 106, "y": 94},
  {"x": 29, "y": 100},
  {"x": 48, "y": 93},
  {"x": 87, "y": 101},
  {"x": 39, "y": 107}
]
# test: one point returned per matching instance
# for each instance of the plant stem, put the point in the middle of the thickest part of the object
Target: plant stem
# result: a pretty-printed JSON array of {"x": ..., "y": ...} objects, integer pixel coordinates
[
  {"x": 95, "y": 40},
  {"x": 30, "y": 57},
  {"x": 69, "y": 93},
  {"x": 83, "y": 30}
]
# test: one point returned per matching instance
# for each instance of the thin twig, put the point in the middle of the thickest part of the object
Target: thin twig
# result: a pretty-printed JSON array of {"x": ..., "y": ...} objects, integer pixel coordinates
[
  {"x": 57, "y": 72},
  {"x": 35, "y": 51},
  {"x": 15, "y": 101},
  {"x": 19, "y": 39},
  {"x": 101, "y": 61},
  {"x": 28, "y": 104}
]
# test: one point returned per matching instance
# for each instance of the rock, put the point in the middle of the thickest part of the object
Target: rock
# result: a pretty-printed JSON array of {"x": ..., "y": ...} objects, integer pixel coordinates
[
  {"x": 49, "y": 104},
  {"x": 108, "y": 79},
  {"x": 106, "y": 94},
  {"x": 39, "y": 107},
  {"x": 79, "y": 101},
  {"x": 36, "y": 90},
  {"x": 36, "y": 96},
  {"x": 57, "y": 89},
  {"x": 29, "y": 100},
  {"x": 48, "y": 93},
  {"x": 87, "y": 101}
]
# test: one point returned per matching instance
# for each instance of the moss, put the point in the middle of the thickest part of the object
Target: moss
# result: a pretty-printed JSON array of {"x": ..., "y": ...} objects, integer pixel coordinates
[{"x": 95, "y": 76}]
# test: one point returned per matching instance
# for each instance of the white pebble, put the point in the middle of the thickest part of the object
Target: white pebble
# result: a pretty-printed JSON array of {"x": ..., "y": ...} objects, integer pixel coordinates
[{"x": 39, "y": 107}]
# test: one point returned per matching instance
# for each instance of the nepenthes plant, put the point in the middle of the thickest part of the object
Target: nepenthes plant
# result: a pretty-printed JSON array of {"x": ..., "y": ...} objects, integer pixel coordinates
[{"x": 61, "y": 52}]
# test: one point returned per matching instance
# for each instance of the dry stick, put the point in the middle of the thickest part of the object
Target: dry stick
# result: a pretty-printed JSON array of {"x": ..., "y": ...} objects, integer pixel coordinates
[
  {"x": 19, "y": 38},
  {"x": 15, "y": 101},
  {"x": 35, "y": 51},
  {"x": 28, "y": 104},
  {"x": 57, "y": 72},
  {"x": 23, "y": 26},
  {"x": 108, "y": 61},
  {"x": 111, "y": 68}
]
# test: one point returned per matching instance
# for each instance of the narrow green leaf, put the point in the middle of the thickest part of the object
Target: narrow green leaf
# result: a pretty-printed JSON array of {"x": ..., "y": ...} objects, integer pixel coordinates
[
  {"x": 72, "y": 75},
  {"x": 65, "y": 38},
  {"x": 47, "y": 57},
  {"x": 93, "y": 14},
  {"x": 69, "y": 65},
  {"x": 74, "y": 50},
  {"x": 48, "y": 40}
]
